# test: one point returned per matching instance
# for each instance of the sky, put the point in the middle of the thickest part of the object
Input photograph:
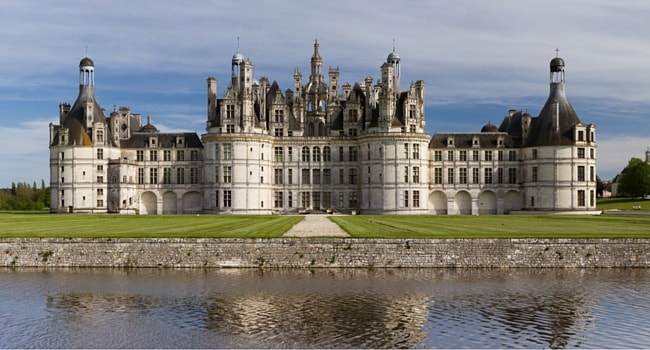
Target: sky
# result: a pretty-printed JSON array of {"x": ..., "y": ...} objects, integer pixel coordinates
[{"x": 478, "y": 60}]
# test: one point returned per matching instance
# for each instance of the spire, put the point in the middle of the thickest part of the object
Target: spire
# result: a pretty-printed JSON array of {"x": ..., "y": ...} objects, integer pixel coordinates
[{"x": 316, "y": 64}]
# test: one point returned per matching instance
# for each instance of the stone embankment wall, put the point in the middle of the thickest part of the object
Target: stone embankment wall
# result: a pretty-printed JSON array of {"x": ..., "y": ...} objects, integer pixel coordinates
[{"x": 319, "y": 253}]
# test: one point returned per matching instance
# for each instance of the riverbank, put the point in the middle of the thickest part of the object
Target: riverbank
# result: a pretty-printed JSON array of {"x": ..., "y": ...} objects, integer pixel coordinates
[{"x": 322, "y": 253}]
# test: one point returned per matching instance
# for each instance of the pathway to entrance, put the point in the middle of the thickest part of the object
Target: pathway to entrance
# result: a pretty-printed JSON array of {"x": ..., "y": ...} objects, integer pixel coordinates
[{"x": 316, "y": 226}]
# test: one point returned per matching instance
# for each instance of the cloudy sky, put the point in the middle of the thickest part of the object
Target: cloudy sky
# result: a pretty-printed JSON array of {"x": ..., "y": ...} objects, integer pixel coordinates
[{"x": 478, "y": 58}]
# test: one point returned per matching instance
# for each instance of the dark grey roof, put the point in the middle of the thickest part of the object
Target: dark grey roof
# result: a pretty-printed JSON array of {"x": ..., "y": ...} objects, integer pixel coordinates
[
  {"x": 466, "y": 140},
  {"x": 554, "y": 125},
  {"x": 86, "y": 61},
  {"x": 165, "y": 140},
  {"x": 76, "y": 122}
]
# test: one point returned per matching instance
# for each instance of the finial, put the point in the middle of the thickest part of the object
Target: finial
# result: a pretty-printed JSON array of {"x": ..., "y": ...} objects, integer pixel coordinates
[
  {"x": 557, "y": 52},
  {"x": 393, "y": 44},
  {"x": 238, "y": 43}
]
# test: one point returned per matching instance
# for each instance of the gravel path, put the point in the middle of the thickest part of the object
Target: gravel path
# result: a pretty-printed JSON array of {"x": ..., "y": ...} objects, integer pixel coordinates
[{"x": 316, "y": 226}]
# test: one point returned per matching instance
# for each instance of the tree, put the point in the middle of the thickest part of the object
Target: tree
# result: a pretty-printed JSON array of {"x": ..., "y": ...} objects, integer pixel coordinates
[
  {"x": 636, "y": 179},
  {"x": 600, "y": 187}
]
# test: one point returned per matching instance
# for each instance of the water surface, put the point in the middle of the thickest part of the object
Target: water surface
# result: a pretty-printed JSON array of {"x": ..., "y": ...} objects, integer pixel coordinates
[{"x": 338, "y": 308}]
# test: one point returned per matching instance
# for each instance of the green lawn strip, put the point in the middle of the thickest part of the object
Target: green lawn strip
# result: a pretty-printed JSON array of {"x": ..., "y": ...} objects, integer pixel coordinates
[
  {"x": 495, "y": 226},
  {"x": 117, "y": 226},
  {"x": 622, "y": 203}
]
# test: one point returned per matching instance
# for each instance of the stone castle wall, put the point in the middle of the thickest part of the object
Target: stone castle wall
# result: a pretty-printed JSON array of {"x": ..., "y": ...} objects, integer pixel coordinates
[{"x": 319, "y": 253}]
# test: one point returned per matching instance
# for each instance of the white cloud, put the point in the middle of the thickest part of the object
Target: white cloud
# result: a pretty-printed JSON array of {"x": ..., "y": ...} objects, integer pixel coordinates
[{"x": 614, "y": 153}]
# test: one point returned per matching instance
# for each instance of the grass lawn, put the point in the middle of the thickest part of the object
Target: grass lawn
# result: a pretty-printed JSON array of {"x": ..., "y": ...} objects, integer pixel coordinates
[
  {"x": 145, "y": 226},
  {"x": 622, "y": 203},
  {"x": 495, "y": 226}
]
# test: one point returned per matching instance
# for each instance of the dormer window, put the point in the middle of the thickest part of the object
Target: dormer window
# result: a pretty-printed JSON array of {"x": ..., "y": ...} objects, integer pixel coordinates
[{"x": 450, "y": 142}]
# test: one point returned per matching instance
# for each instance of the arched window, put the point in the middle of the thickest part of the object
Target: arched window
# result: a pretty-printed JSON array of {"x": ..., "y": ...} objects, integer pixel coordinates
[
  {"x": 310, "y": 129},
  {"x": 321, "y": 129},
  {"x": 316, "y": 154},
  {"x": 305, "y": 154},
  {"x": 327, "y": 154}
]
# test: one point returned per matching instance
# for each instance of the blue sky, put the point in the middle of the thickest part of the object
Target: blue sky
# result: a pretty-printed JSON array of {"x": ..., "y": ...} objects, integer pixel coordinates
[{"x": 478, "y": 59}]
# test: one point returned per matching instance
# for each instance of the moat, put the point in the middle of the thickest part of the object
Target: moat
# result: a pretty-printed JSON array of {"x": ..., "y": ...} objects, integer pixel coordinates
[{"x": 324, "y": 308}]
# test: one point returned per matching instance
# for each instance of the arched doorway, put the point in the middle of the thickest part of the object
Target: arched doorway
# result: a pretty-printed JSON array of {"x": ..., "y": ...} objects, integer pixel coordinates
[
  {"x": 463, "y": 202},
  {"x": 487, "y": 203},
  {"x": 192, "y": 202},
  {"x": 148, "y": 203},
  {"x": 169, "y": 203},
  {"x": 512, "y": 202},
  {"x": 437, "y": 203}
]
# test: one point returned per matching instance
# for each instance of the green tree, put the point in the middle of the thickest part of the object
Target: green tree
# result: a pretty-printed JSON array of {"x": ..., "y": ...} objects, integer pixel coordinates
[{"x": 636, "y": 178}]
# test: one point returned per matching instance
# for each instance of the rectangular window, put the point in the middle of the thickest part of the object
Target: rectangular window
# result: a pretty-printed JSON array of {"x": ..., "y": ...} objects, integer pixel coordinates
[
  {"x": 230, "y": 128},
  {"x": 592, "y": 174},
  {"x": 227, "y": 174},
  {"x": 406, "y": 174},
  {"x": 512, "y": 155},
  {"x": 100, "y": 153},
  {"x": 277, "y": 176},
  {"x": 290, "y": 199},
  {"x": 341, "y": 177},
  {"x": 534, "y": 175},
  {"x": 581, "y": 198},
  {"x": 327, "y": 176},
  {"x": 437, "y": 156},
  {"x": 167, "y": 155},
  {"x": 327, "y": 154},
  {"x": 180, "y": 155},
  {"x": 437, "y": 176},
  {"x": 581, "y": 173},
  {"x": 277, "y": 199},
  {"x": 194, "y": 155},
  {"x": 534, "y": 154},
  {"x": 592, "y": 154},
  {"x": 500, "y": 156},
  {"x": 341, "y": 154},
  {"x": 352, "y": 155},
  {"x": 450, "y": 175},
  {"x": 279, "y": 116},
  {"x": 216, "y": 174},
  {"x": 227, "y": 198},
  {"x": 230, "y": 111},
  {"x": 278, "y": 154},
  {"x": 100, "y": 202},
  {"x": 290, "y": 176},
  {"x": 100, "y": 168},
  {"x": 462, "y": 175},
  {"x": 416, "y": 151},
  {"x": 450, "y": 156},
  {"x": 100, "y": 179},
  {"x": 581, "y": 135},
  {"x": 592, "y": 198},
  {"x": 353, "y": 199},
  {"x": 305, "y": 176},
  {"x": 581, "y": 153},
  {"x": 153, "y": 176},
  {"x": 167, "y": 175},
  {"x": 487, "y": 156},
  {"x": 475, "y": 175},
  {"x": 353, "y": 176},
  {"x": 180, "y": 176},
  {"x": 304, "y": 199},
  {"x": 487, "y": 175},
  {"x": 217, "y": 151},
  {"x": 327, "y": 199},
  {"x": 315, "y": 176},
  {"x": 316, "y": 200},
  {"x": 475, "y": 155},
  {"x": 289, "y": 154},
  {"x": 462, "y": 156},
  {"x": 305, "y": 154},
  {"x": 406, "y": 150},
  {"x": 416, "y": 174},
  {"x": 227, "y": 151},
  {"x": 139, "y": 155},
  {"x": 512, "y": 175},
  {"x": 140, "y": 176},
  {"x": 153, "y": 156},
  {"x": 100, "y": 192},
  {"x": 500, "y": 175},
  {"x": 194, "y": 176},
  {"x": 416, "y": 199},
  {"x": 406, "y": 199}
]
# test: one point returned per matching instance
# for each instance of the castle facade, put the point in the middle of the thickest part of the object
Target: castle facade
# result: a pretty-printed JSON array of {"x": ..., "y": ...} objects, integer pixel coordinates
[{"x": 321, "y": 146}]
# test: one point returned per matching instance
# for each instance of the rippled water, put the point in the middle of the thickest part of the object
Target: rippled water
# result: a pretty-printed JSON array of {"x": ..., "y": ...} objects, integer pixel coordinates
[{"x": 353, "y": 308}]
